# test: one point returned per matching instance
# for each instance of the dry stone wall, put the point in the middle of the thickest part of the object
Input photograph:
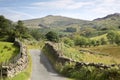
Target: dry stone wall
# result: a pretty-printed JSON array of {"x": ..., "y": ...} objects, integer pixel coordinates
[
  {"x": 17, "y": 64},
  {"x": 58, "y": 55}
]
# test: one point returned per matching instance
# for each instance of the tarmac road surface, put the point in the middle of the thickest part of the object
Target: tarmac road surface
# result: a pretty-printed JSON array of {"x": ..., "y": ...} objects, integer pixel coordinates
[{"x": 41, "y": 67}]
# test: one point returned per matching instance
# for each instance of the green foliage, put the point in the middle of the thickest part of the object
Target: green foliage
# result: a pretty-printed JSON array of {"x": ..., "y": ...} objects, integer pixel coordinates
[
  {"x": 114, "y": 37},
  {"x": 68, "y": 41},
  {"x": 11, "y": 31},
  {"x": 52, "y": 36},
  {"x": 90, "y": 73},
  {"x": 5, "y": 25},
  {"x": 20, "y": 30},
  {"x": 88, "y": 31},
  {"x": 111, "y": 36},
  {"x": 6, "y": 29},
  {"x": 71, "y": 29},
  {"x": 103, "y": 41},
  {"x": 36, "y": 34},
  {"x": 86, "y": 42},
  {"x": 117, "y": 39}
]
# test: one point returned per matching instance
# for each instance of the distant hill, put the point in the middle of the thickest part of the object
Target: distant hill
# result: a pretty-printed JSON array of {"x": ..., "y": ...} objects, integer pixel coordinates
[
  {"x": 112, "y": 16},
  {"x": 111, "y": 21},
  {"x": 54, "y": 21}
]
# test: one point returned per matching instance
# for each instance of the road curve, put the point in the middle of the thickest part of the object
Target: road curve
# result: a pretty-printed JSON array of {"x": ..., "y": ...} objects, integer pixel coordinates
[{"x": 42, "y": 69}]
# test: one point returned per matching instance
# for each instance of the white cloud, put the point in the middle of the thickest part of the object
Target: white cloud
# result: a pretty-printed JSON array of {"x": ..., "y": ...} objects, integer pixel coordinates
[
  {"x": 14, "y": 15},
  {"x": 106, "y": 6},
  {"x": 85, "y": 9},
  {"x": 62, "y": 4},
  {"x": 109, "y": 1}
]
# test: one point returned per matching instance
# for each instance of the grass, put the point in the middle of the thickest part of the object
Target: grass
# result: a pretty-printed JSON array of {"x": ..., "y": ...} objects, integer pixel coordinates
[
  {"x": 75, "y": 54},
  {"x": 24, "y": 75},
  {"x": 99, "y": 37},
  {"x": 81, "y": 72},
  {"x": 3, "y": 38},
  {"x": 35, "y": 44},
  {"x": 113, "y": 50},
  {"x": 94, "y": 58},
  {"x": 7, "y": 51}
]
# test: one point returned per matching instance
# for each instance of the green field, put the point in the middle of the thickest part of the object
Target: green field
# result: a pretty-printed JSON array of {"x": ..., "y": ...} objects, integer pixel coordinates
[
  {"x": 75, "y": 54},
  {"x": 113, "y": 50},
  {"x": 7, "y": 51}
]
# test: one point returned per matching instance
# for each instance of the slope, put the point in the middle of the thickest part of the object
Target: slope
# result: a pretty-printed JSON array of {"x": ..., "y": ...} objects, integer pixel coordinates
[{"x": 111, "y": 21}]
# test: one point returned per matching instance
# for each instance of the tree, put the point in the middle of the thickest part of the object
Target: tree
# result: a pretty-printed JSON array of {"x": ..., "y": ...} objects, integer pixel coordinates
[
  {"x": 87, "y": 31},
  {"x": 5, "y": 26},
  {"x": 94, "y": 42},
  {"x": 119, "y": 27},
  {"x": 117, "y": 39},
  {"x": 6, "y": 29},
  {"x": 68, "y": 41},
  {"x": 36, "y": 34},
  {"x": 10, "y": 30},
  {"x": 81, "y": 41},
  {"x": 52, "y": 36},
  {"x": 71, "y": 29},
  {"x": 111, "y": 36},
  {"x": 103, "y": 41},
  {"x": 98, "y": 42},
  {"x": 20, "y": 30}
]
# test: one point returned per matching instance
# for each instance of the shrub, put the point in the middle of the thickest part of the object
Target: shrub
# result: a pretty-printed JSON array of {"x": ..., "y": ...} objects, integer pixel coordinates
[
  {"x": 52, "y": 36},
  {"x": 68, "y": 41}
]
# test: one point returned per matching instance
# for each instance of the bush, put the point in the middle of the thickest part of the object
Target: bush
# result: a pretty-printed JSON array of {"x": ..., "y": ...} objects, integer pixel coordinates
[
  {"x": 71, "y": 29},
  {"x": 68, "y": 41},
  {"x": 52, "y": 36}
]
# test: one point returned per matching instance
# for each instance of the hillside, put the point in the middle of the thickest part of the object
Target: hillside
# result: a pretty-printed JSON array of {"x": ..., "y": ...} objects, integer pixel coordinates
[
  {"x": 53, "y": 21},
  {"x": 111, "y": 21}
]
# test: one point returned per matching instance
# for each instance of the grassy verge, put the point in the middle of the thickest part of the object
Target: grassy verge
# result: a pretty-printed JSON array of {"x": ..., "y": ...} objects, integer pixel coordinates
[
  {"x": 24, "y": 75},
  {"x": 7, "y": 51}
]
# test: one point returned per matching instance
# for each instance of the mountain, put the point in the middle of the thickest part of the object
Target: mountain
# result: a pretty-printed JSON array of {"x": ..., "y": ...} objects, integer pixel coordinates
[
  {"x": 111, "y": 21},
  {"x": 112, "y": 16},
  {"x": 54, "y": 21}
]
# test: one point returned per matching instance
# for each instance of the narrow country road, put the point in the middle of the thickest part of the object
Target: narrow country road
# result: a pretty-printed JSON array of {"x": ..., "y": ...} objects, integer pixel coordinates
[{"x": 42, "y": 69}]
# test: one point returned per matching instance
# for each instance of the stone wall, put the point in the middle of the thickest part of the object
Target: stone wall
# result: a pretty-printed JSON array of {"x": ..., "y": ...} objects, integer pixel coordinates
[
  {"x": 58, "y": 55},
  {"x": 16, "y": 64}
]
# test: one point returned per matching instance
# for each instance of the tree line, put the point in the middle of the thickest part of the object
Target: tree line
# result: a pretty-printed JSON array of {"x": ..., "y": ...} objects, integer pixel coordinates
[
  {"x": 10, "y": 30},
  {"x": 112, "y": 37}
]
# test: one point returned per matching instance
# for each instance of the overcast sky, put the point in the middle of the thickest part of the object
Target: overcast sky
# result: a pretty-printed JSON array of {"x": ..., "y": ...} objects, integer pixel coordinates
[{"x": 81, "y": 9}]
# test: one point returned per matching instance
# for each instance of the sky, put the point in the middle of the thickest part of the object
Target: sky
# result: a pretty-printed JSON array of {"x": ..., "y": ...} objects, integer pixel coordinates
[{"x": 80, "y": 9}]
